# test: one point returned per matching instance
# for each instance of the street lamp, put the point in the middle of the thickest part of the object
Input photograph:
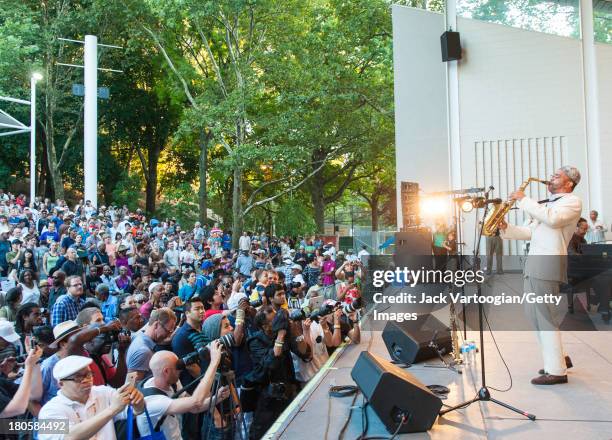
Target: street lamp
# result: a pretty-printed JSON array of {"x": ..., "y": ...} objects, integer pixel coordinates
[{"x": 36, "y": 76}]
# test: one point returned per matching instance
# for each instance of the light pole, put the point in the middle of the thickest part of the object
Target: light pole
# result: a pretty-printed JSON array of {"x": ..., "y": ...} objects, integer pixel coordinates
[{"x": 35, "y": 78}]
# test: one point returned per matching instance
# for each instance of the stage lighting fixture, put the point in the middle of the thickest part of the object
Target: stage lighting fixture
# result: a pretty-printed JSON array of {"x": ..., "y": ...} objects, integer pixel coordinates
[
  {"x": 467, "y": 206},
  {"x": 433, "y": 207}
]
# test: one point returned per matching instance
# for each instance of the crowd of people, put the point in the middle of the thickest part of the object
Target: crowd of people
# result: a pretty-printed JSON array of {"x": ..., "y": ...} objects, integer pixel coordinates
[{"x": 115, "y": 321}]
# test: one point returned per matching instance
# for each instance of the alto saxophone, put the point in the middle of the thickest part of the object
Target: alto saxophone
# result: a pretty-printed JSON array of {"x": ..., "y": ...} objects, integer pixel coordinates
[{"x": 499, "y": 211}]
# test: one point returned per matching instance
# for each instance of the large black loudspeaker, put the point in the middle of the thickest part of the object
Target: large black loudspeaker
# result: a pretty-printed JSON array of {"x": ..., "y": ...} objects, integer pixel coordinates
[
  {"x": 394, "y": 394},
  {"x": 408, "y": 341},
  {"x": 451, "y": 46},
  {"x": 413, "y": 249}
]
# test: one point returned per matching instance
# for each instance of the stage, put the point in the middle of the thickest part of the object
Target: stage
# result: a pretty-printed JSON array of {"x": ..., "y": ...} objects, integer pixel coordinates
[{"x": 577, "y": 410}]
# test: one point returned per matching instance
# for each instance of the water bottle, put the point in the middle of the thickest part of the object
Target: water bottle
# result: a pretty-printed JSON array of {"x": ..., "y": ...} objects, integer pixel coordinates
[
  {"x": 465, "y": 355},
  {"x": 472, "y": 355}
]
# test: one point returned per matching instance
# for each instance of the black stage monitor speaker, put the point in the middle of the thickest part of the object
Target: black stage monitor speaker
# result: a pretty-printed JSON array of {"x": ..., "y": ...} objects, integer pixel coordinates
[
  {"x": 451, "y": 46},
  {"x": 408, "y": 341},
  {"x": 394, "y": 394}
]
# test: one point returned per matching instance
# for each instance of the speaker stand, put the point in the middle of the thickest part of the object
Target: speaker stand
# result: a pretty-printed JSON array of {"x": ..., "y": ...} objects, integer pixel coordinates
[{"x": 483, "y": 394}]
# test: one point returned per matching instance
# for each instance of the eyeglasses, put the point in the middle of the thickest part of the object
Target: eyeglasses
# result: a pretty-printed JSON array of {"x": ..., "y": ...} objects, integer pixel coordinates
[{"x": 80, "y": 377}]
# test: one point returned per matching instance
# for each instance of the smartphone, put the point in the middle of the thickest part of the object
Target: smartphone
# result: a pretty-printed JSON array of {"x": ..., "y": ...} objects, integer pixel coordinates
[{"x": 131, "y": 378}]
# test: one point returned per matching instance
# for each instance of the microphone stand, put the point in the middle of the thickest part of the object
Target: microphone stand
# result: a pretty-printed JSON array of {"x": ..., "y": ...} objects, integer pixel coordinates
[
  {"x": 484, "y": 394},
  {"x": 440, "y": 352}
]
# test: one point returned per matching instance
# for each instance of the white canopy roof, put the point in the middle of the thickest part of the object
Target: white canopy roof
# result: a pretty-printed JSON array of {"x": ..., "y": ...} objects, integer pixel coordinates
[{"x": 8, "y": 124}]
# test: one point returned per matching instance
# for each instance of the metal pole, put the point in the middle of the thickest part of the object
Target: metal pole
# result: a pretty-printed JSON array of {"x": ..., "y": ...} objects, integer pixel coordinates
[
  {"x": 90, "y": 167},
  {"x": 32, "y": 139}
]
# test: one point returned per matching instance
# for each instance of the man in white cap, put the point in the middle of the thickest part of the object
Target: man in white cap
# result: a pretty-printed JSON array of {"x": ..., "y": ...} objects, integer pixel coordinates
[
  {"x": 90, "y": 410},
  {"x": 159, "y": 389}
]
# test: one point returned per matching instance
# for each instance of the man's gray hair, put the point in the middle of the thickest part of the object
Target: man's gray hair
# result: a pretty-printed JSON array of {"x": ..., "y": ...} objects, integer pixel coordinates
[{"x": 572, "y": 173}]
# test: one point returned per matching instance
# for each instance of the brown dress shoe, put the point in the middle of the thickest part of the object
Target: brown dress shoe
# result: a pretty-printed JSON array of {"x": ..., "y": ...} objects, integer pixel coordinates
[
  {"x": 549, "y": 379},
  {"x": 568, "y": 365}
]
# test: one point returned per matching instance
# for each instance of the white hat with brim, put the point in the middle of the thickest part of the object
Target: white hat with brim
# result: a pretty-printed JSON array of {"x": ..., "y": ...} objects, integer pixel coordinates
[
  {"x": 7, "y": 332},
  {"x": 296, "y": 266},
  {"x": 70, "y": 365},
  {"x": 62, "y": 331}
]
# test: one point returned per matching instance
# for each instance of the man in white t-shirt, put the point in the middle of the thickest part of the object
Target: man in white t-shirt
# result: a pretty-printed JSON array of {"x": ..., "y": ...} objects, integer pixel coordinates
[{"x": 159, "y": 389}]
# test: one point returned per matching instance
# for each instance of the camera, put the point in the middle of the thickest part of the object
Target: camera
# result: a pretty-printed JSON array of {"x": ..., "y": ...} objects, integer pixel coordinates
[
  {"x": 202, "y": 352},
  {"x": 113, "y": 336},
  {"x": 326, "y": 309}
]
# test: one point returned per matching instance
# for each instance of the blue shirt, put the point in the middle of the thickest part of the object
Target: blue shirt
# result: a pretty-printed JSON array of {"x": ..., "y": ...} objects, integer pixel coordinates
[
  {"x": 140, "y": 353},
  {"x": 186, "y": 292},
  {"x": 109, "y": 308},
  {"x": 49, "y": 384},
  {"x": 184, "y": 342},
  {"x": 244, "y": 264},
  {"x": 46, "y": 234},
  {"x": 66, "y": 308}
]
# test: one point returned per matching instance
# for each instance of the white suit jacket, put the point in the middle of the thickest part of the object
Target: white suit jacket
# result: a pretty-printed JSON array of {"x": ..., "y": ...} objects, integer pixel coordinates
[{"x": 549, "y": 231}]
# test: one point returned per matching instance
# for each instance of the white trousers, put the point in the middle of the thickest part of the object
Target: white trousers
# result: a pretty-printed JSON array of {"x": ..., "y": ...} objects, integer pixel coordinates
[{"x": 545, "y": 319}]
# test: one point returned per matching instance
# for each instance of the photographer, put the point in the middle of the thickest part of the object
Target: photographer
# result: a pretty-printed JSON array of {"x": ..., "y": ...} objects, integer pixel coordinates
[
  {"x": 96, "y": 341},
  {"x": 15, "y": 399},
  {"x": 273, "y": 371},
  {"x": 159, "y": 329},
  {"x": 131, "y": 320},
  {"x": 163, "y": 407}
]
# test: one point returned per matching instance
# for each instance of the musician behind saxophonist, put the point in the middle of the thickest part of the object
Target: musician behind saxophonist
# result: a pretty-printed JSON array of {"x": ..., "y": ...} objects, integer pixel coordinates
[{"x": 550, "y": 230}]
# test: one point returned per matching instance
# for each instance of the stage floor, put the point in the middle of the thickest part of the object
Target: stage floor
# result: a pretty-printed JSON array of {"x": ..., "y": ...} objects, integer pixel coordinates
[{"x": 581, "y": 409}]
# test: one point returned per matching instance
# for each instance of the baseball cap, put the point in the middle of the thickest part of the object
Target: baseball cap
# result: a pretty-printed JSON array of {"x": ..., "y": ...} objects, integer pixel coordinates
[
  {"x": 69, "y": 365},
  {"x": 296, "y": 266},
  {"x": 7, "y": 332}
]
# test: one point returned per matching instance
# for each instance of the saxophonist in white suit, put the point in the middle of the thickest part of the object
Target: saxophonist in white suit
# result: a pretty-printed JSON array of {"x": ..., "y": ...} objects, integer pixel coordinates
[{"x": 553, "y": 223}]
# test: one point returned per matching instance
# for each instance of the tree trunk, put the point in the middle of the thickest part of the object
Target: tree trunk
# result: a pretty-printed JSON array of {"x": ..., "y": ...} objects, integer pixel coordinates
[
  {"x": 318, "y": 204},
  {"x": 44, "y": 167},
  {"x": 55, "y": 174},
  {"x": 237, "y": 220},
  {"x": 151, "y": 189},
  {"x": 375, "y": 212},
  {"x": 203, "y": 171}
]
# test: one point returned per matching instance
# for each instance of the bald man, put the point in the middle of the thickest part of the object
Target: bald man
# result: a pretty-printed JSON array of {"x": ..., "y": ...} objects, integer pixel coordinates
[{"x": 159, "y": 389}]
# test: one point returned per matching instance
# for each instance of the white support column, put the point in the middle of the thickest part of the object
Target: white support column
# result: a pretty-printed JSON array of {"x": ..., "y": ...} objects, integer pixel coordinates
[
  {"x": 91, "y": 119},
  {"x": 591, "y": 108},
  {"x": 32, "y": 138},
  {"x": 452, "y": 88}
]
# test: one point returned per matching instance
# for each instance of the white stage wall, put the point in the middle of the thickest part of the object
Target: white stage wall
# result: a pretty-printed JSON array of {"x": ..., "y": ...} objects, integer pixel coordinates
[{"x": 521, "y": 108}]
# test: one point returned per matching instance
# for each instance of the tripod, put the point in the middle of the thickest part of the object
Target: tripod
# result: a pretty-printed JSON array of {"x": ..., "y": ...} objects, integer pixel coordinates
[
  {"x": 227, "y": 378},
  {"x": 483, "y": 394}
]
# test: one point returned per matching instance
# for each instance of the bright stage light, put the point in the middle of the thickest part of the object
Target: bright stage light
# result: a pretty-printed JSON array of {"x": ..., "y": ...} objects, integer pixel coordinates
[
  {"x": 433, "y": 207},
  {"x": 467, "y": 206}
]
